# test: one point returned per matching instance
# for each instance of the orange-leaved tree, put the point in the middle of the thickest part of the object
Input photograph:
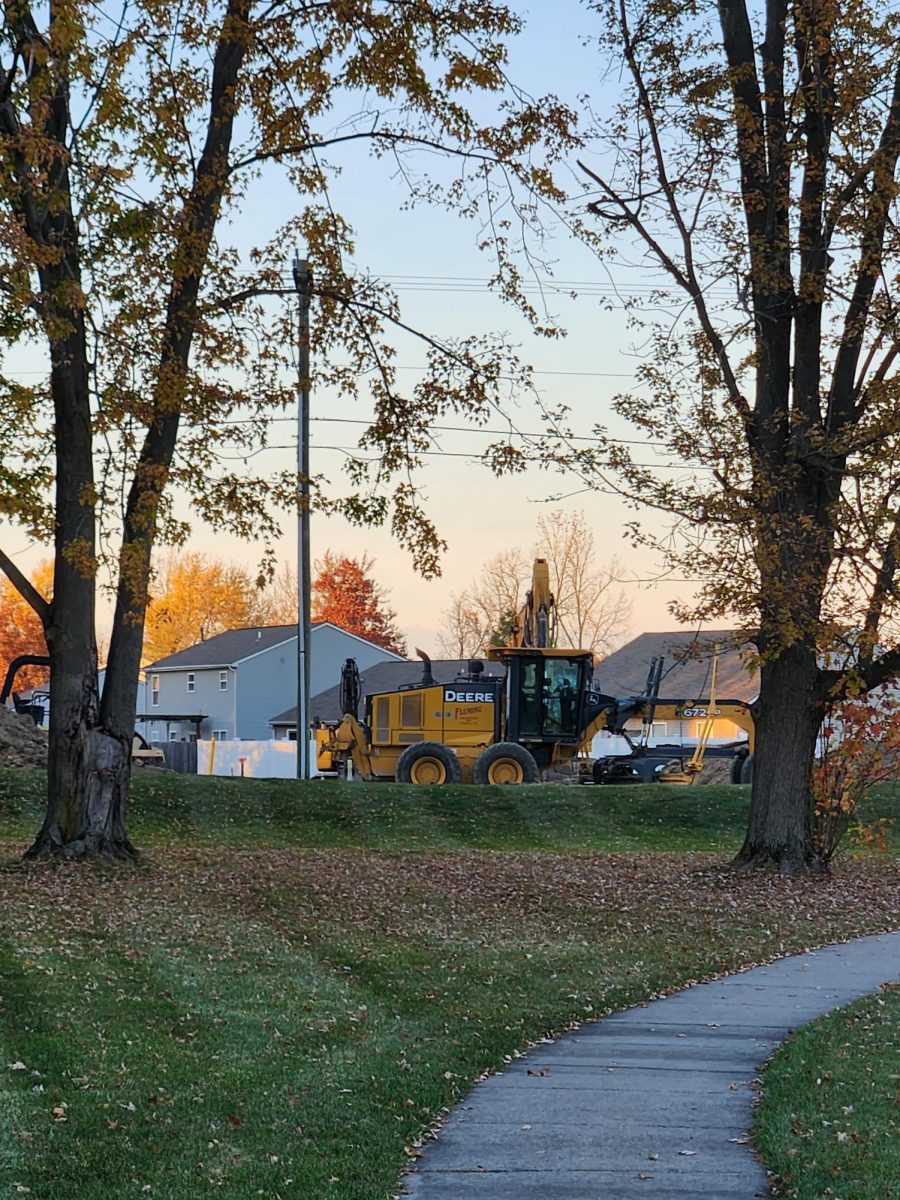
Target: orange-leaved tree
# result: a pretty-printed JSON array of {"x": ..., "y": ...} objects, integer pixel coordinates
[
  {"x": 21, "y": 631},
  {"x": 860, "y": 748},
  {"x": 344, "y": 592}
]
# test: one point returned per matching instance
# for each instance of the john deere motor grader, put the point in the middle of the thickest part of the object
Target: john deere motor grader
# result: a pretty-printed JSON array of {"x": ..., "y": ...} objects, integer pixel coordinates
[
  {"x": 479, "y": 728},
  {"x": 485, "y": 729}
]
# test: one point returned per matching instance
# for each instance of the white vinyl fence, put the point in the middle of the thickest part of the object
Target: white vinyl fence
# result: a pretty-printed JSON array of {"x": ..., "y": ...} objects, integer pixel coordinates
[{"x": 253, "y": 760}]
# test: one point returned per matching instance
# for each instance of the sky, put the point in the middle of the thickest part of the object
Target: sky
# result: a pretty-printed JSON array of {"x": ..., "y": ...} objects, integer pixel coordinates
[{"x": 441, "y": 281}]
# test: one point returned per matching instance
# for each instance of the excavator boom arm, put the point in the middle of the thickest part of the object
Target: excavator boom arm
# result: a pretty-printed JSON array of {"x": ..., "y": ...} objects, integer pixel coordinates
[{"x": 535, "y": 623}]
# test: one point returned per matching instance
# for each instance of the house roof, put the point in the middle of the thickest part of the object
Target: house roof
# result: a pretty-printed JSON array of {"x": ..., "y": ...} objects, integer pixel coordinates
[
  {"x": 385, "y": 677},
  {"x": 235, "y": 645},
  {"x": 688, "y": 665}
]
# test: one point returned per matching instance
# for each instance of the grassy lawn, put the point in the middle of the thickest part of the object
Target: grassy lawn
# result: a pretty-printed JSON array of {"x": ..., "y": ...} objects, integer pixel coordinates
[
  {"x": 285, "y": 1015},
  {"x": 830, "y": 1122},
  {"x": 190, "y": 811}
]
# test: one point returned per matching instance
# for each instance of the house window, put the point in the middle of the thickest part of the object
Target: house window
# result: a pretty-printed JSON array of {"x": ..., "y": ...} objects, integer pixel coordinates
[
  {"x": 154, "y": 690},
  {"x": 223, "y": 681},
  {"x": 220, "y": 735},
  {"x": 291, "y": 734},
  {"x": 191, "y": 681}
]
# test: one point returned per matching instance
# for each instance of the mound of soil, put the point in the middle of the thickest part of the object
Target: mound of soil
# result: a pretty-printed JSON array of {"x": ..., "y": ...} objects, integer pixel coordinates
[{"x": 22, "y": 743}]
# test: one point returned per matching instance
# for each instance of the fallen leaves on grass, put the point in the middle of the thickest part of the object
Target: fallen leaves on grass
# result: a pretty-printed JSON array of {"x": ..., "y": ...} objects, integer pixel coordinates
[
  {"x": 489, "y": 897},
  {"x": 437, "y": 966}
]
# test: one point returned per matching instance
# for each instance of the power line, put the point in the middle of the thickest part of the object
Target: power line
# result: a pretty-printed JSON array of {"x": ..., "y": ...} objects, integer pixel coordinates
[
  {"x": 451, "y": 284},
  {"x": 353, "y": 452},
  {"x": 521, "y": 433},
  {"x": 562, "y": 437}
]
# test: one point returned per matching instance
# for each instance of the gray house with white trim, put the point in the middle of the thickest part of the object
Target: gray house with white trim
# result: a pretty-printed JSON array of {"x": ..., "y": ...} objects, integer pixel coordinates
[{"x": 228, "y": 686}]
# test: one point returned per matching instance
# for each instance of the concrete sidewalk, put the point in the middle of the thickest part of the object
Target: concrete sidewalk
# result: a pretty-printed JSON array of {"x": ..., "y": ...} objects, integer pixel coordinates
[{"x": 654, "y": 1102}]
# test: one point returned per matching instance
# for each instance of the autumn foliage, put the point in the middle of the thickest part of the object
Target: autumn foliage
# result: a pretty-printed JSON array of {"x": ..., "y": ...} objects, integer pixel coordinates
[
  {"x": 344, "y": 593},
  {"x": 21, "y": 631},
  {"x": 200, "y": 596},
  {"x": 750, "y": 161},
  {"x": 134, "y": 136},
  {"x": 860, "y": 748}
]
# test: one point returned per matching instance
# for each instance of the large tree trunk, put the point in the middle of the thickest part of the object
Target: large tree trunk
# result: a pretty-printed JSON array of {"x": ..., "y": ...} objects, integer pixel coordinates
[
  {"x": 89, "y": 763},
  {"x": 87, "y": 793},
  {"x": 788, "y": 716}
]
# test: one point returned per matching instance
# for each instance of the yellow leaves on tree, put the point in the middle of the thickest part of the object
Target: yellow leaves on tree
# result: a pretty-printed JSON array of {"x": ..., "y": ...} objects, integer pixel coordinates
[{"x": 201, "y": 596}]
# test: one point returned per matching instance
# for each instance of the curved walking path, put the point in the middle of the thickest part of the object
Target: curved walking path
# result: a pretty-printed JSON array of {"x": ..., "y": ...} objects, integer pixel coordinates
[{"x": 654, "y": 1102}]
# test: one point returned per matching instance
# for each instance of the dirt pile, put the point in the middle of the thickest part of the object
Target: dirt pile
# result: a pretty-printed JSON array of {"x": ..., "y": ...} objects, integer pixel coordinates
[{"x": 22, "y": 743}]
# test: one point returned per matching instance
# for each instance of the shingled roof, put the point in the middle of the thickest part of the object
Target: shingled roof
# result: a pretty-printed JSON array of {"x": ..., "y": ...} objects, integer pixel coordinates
[
  {"x": 385, "y": 677},
  {"x": 234, "y": 645},
  {"x": 226, "y": 649},
  {"x": 688, "y": 666}
]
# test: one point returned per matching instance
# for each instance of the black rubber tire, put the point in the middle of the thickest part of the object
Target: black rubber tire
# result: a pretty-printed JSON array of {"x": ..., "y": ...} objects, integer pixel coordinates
[
  {"x": 428, "y": 762},
  {"x": 747, "y": 769},
  {"x": 505, "y": 763}
]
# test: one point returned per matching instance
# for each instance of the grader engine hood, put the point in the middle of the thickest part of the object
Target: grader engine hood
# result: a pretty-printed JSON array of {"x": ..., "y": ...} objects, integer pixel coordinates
[{"x": 463, "y": 712}]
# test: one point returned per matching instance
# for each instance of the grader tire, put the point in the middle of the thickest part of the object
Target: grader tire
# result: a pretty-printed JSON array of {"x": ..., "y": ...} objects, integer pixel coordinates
[
  {"x": 505, "y": 762},
  {"x": 428, "y": 762}
]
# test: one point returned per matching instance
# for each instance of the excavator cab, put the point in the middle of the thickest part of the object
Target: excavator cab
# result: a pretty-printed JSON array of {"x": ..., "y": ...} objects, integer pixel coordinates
[{"x": 546, "y": 691}]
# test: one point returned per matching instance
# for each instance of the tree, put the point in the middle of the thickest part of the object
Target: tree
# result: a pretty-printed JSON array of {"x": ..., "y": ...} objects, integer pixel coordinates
[
  {"x": 462, "y": 632},
  {"x": 478, "y": 615},
  {"x": 344, "y": 593},
  {"x": 591, "y": 611},
  {"x": 130, "y": 135},
  {"x": 281, "y": 597},
  {"x": 20, "y": 629},
  {"x": 199, "y": 598},
  {"x": 860, "y": 743},
  {"x": 752, "y": 158}
]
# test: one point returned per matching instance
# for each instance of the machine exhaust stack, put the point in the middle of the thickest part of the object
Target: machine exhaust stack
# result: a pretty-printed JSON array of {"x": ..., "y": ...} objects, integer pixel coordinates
[{"x": 427, "y": 677}]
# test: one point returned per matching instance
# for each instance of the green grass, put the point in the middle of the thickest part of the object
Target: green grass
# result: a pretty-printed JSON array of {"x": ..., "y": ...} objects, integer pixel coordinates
[
  {"x": 297, "y": 979},
  {"x": 171, "y": 809},
  {"x": 829, "y": 1122}
]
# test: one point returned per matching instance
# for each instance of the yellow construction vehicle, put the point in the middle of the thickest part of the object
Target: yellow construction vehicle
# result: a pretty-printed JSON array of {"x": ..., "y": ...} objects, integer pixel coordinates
[
  {"x": 541, "y": 715},
  {"x": 478, "y": 728},
  {"x": 649, "y": 764},
  {"x": 669, "y": 764}
]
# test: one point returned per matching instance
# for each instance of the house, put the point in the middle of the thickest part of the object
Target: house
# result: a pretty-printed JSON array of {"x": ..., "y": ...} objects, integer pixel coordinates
[
  {"x": 687, "y": 675},
  {"x": 228, "y": 686},
  {"x": 385, "y": 676}
]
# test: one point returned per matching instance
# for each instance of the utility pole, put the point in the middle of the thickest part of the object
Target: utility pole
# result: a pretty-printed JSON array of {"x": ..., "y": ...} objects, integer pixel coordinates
[{"x": 302, "y": 285}]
